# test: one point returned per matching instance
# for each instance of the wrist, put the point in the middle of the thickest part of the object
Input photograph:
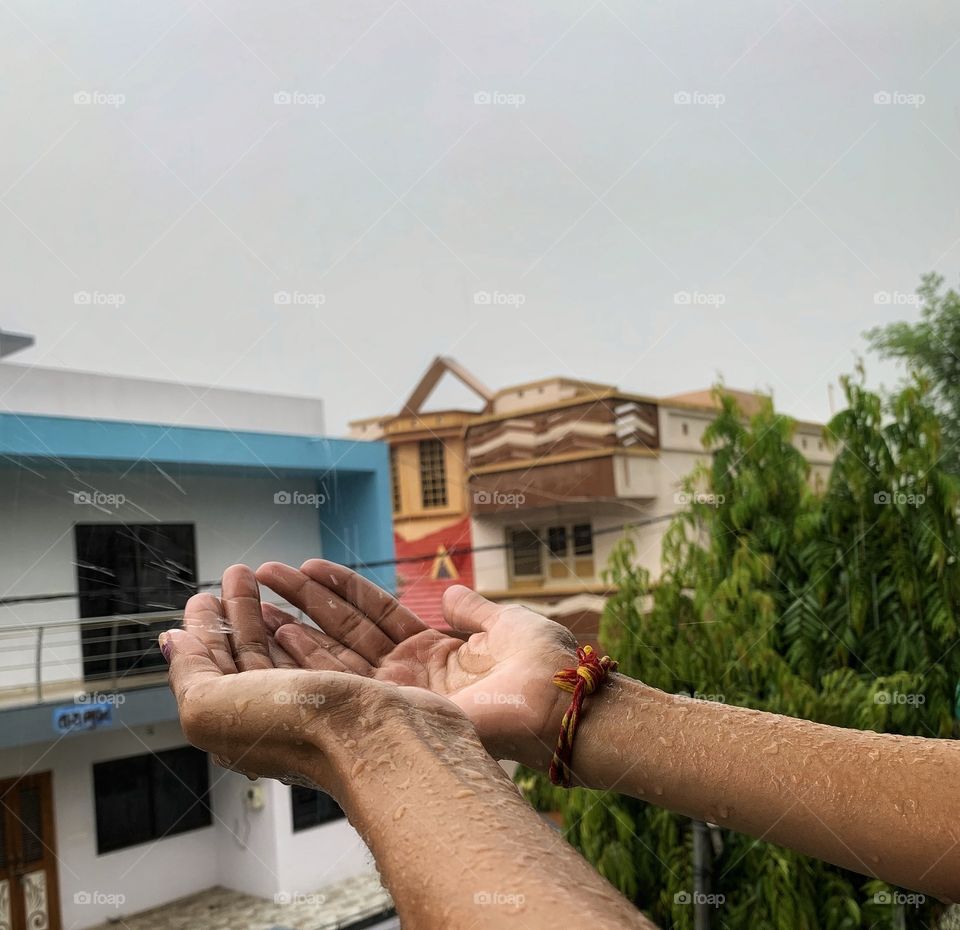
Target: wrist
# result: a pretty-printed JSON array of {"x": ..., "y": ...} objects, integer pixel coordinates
[
  {"x": 611, "y": 716},
  {"x": 595, "y": 713},
  {"x": 371, "y": 741}
]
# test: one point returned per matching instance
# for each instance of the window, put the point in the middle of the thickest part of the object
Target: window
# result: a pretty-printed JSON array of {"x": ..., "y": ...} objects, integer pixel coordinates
[
  {"x": 685, "y": 428},
  {"x": 557, "y": 541},
  {"x": 582, "y": 539},
  {"x": 311, "y": 808},
  {"x": 395, "y": 480},
  {"x": 433, "y": 474},
  {"x": 130, "y": 569},
  {"x": 557, "y": 553},
  {"x": 144, "y": 798},
  {"x": 525, "y": 549}
]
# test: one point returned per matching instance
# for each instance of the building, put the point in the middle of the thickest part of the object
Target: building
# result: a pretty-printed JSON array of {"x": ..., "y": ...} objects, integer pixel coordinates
[
  {"x": 431, "y": 510},
  {"x": 524, "y": 497},
  {"x": 119, "y": 497},
  {"x": 558, "y": 467}
]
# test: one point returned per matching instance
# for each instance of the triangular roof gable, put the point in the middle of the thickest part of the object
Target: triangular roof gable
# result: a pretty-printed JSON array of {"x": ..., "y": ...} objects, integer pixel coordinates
[{"x": 440, "y": 366}]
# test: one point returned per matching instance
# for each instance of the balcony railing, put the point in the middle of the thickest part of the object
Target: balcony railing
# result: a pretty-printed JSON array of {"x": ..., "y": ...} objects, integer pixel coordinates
[{"x": 60, "y": 659}]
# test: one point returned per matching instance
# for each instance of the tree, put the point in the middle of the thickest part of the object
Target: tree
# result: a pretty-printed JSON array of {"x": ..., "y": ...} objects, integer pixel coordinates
[
  {"x": 820, "y": 605},
  {"x": 931, "y": 347}
]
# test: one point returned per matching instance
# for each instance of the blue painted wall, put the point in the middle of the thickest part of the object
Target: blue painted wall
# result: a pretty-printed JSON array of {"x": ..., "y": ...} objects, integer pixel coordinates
[{"x": 356, "y": 524}]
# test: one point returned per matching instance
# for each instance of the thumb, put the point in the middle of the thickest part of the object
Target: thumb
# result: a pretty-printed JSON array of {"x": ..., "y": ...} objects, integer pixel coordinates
[{"x": 467, "y": 611}]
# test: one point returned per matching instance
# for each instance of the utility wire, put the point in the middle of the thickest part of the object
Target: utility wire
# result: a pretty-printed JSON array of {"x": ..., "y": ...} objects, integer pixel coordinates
[{"x": 357, "y": 566}]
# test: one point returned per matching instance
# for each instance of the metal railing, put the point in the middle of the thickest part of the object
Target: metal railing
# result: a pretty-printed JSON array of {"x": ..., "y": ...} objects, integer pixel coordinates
[{"x": 60, "y": 658}]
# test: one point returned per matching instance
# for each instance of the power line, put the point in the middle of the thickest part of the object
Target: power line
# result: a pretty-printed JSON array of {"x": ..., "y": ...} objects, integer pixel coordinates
[
  {"x": 356, "y": 566},
  {"x": 466, "y": 550}
]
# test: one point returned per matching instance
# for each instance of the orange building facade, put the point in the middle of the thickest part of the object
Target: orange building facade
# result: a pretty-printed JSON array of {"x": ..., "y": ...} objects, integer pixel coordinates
[
  {"x": 525, "y": 497},
  {"x": 431, "y": 509}
]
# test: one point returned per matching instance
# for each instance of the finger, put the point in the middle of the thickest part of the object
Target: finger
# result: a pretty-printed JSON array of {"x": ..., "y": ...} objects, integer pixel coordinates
[
  {"x": 190, "y": 663},
  {"x": 382, "y": 608},
  {"x": 312, "y": 649},
  {"x": 203, "y": 617},
  {"x": 280, "y": 657},
  {"x": 274, "y": 617},
  {"x": 241, "y": 602},
  {"x": 467, "y": 611},
  {"x": 329, "y": 611}
]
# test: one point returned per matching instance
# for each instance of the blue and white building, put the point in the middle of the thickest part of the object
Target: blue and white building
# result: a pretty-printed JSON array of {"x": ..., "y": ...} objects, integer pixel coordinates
[{"x": 118, "y": 498}]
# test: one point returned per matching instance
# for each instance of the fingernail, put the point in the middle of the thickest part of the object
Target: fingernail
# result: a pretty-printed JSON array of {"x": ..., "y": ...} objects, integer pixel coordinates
[{"x": 165, "y": 646}]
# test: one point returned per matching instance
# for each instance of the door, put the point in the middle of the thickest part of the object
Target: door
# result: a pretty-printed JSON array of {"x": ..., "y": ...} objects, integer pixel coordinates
[{"x": 28, "y": 859}]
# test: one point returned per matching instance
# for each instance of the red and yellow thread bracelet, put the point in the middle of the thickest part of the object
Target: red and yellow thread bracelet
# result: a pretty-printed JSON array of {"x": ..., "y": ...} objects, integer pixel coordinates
[{"x": 590, "y": 672}]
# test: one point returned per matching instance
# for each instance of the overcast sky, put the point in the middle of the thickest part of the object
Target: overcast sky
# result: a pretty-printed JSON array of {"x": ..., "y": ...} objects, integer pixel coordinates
[{"x": 650, "y": 194}]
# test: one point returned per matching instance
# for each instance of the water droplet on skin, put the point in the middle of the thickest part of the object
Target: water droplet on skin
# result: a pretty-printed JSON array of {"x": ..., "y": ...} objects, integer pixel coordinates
[
  {"x": 358, "y": 767},
  {"x": 771, "y": 750},
  {"x": 723, "y": 811},
  {"x": 658, "y": 791},
  {"x": 399, "y": 812}
]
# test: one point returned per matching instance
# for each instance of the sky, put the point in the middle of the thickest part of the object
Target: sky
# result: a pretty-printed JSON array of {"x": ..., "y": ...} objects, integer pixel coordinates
[{"x": 318, "y": 199}]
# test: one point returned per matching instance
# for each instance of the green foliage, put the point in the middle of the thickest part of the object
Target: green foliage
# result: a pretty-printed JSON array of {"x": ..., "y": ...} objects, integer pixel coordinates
[
  {"x": 838, "y": 606},
  {"x": 931, "y": 347}
]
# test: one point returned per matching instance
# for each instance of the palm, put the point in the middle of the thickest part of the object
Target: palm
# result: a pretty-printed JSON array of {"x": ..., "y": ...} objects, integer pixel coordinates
[{"x": 500, "y": 677}]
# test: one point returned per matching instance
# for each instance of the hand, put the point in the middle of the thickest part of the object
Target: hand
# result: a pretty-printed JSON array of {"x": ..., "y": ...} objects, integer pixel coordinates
[
  {"x": 501, "y": 677},
  {"x": 275, "y": 719}
]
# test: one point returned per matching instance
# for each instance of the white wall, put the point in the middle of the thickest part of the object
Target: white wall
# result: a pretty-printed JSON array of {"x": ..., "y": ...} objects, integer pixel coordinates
[
  {"x": 260, "y": 854},
  {"x": 246, "y": 840},
  {"x": 672, "y": 422},
  {"x": 520, "y": 399},
  {"x": 146, "y": 875},
  {"x": 64, "y": 393},
  {"x": 489, "y": 565},
  {"x": 318, "y": 856},
  {"x": 252, "y": 851},
  {"x": 235, "y": 518}
]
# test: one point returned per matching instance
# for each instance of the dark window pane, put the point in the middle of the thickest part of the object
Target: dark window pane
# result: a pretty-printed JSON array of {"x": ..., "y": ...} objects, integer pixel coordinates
[
  {"x": 311, "y": 808},
  {"x": 130, "y": 569},
  {"x": 180, "y": 782},
  {"x": 583, "y": 539},
  {"x": 143, "y": 798},
  {"x": 557, "y": 541},
  {"x": 122, "y": 791},
  {"x": 525, "y": 550}
]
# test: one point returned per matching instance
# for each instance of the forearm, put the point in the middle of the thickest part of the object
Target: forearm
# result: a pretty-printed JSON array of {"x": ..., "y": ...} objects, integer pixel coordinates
[
  {"x": 455, "y": 843},
  {"x": 878, "y": 804}
]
